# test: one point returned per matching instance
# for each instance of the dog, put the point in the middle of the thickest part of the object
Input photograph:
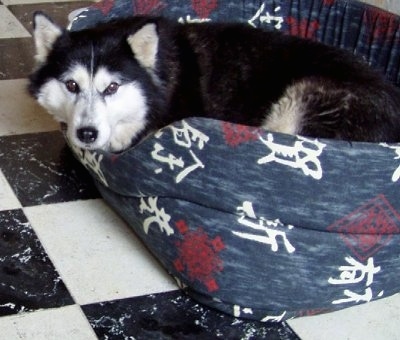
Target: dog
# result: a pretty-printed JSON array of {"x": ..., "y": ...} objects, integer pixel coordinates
[{"x": 114, "y": 84}]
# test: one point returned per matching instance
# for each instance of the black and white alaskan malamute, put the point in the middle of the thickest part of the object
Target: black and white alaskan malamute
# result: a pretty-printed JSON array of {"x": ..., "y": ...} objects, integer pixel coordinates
[{"x": 113, "y": 84}]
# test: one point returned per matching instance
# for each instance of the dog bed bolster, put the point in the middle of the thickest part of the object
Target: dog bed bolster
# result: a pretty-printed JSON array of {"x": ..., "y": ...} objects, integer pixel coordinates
[{"x": 257, "y": 224}]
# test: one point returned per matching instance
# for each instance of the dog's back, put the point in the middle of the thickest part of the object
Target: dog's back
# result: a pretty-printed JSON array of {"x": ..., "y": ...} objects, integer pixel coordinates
[
  {"x": 285, "y": 83},
  {"x": 143, "y": 73}
]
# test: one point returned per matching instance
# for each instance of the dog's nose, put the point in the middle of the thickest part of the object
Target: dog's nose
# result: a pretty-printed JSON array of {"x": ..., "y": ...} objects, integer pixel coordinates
[{"x": 87, "y": 134}]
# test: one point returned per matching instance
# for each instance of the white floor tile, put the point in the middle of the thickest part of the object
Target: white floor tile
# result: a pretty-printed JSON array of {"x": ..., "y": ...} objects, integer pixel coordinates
[
  {"x": 8, "y": 200},
  {"x": 97, "y": 255},
  {"x": 10, "y": 27},
  {"x": 378, "y": 320},
  {"x": 67, "y": 323},
  {"x": 19, "y": 113}
]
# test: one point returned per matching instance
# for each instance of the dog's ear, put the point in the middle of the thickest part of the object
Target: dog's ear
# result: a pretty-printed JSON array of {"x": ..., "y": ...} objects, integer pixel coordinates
[
  {"x": 45, "y": 33},
  {"x": 144, "y": 44}
]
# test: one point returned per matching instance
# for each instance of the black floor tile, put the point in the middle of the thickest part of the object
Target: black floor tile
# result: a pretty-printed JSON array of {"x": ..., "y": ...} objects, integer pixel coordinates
[
  {"x": 58, "y": 11},
  {"x": 41, "y": 169},
  {"x": 17, "y": 54},
  {"x": 16, "y": 58},
  {"x": 173, "y": 315},
  {"x": 28, "y": 280}
]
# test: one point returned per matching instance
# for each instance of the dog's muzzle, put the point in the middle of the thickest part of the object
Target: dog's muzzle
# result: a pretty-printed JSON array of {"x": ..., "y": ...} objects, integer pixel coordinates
[{"x": 87, "y": 135}]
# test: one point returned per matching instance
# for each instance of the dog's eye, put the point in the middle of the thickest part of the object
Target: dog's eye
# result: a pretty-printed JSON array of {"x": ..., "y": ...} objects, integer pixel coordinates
[
  {"x": 111, "y": 89},
  {"x": 72, "y": 86}
]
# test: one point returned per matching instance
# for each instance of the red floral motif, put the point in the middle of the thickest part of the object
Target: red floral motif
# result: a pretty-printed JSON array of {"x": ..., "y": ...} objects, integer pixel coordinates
[
  {"x": 144, "y": 7},
  {"x": 182, "y": 226},
  {"x": 381, "y": 24},
  {"x": 203, "y": 8},
  {"x": 114, "y": 158},
  {"x": 303, "y": 28},
  {"x": 311, "y": 312},
  {"x": 235, "y": 134},
  {"x": 369, "y": 228},
  {"x": 329, "y": 2},
  {"x": 198, "y": 255},
  {"x": 104, "y": 6}
]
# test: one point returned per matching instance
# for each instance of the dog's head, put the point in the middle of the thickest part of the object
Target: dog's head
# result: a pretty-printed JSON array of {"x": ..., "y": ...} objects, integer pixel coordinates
[{"x": 100, "y": 82}]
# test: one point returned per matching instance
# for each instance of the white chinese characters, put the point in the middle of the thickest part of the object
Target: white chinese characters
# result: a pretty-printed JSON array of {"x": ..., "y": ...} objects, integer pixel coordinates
[
  {"x": 396, "y": 173},
  {"x": 189, "y": 20},
  {"x": 91, "y": 160},
  {"x": 303, "y": 154},
  {"x": 262, "y": 230},
  {"x": 189, "y": 140},
  {"x": 354, "y": 273},
  {"x": 157, "y": 216},
  {"x": 267, "y": 18}
]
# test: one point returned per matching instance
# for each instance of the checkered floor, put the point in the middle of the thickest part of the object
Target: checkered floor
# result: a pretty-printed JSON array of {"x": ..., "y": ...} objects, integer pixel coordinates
[{"x": 70, "y": 268}]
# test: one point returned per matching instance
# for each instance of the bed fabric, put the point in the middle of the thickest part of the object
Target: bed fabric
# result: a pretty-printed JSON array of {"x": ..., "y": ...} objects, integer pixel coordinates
[{"x": 264, "y": 225}]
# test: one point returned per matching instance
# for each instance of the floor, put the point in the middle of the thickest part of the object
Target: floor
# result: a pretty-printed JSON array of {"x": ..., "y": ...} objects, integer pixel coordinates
[{"x": 70, "y": 268}]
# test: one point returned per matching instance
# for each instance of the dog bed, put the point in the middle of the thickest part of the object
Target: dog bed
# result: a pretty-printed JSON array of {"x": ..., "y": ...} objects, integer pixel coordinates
[{"x": 256, "y": 224}]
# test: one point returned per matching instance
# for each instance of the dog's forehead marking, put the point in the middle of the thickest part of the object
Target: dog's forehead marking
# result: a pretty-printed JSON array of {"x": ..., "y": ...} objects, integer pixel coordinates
[
  {"x": 86, "y": 80},
  {"x": 92, "y": 61},
  {"x": 103, "y": 78},
  {"x": 80, "y": 74}
]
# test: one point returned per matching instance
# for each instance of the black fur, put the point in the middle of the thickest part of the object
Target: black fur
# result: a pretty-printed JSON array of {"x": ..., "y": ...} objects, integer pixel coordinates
[{"x": 235, "y": 73}]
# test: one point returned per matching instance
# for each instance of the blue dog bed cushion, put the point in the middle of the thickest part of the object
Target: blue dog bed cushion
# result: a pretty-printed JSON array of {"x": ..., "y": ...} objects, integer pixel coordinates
[{"x": 257, "y": 224}]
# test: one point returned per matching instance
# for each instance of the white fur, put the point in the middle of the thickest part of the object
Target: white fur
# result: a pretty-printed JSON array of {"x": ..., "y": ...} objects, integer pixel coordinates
[
  {"x": 45, "y": 34},
  {"x": 144, "y": 44},
  {"x": 287, "y": 114},
  {"x": 117, "y": 117}
]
